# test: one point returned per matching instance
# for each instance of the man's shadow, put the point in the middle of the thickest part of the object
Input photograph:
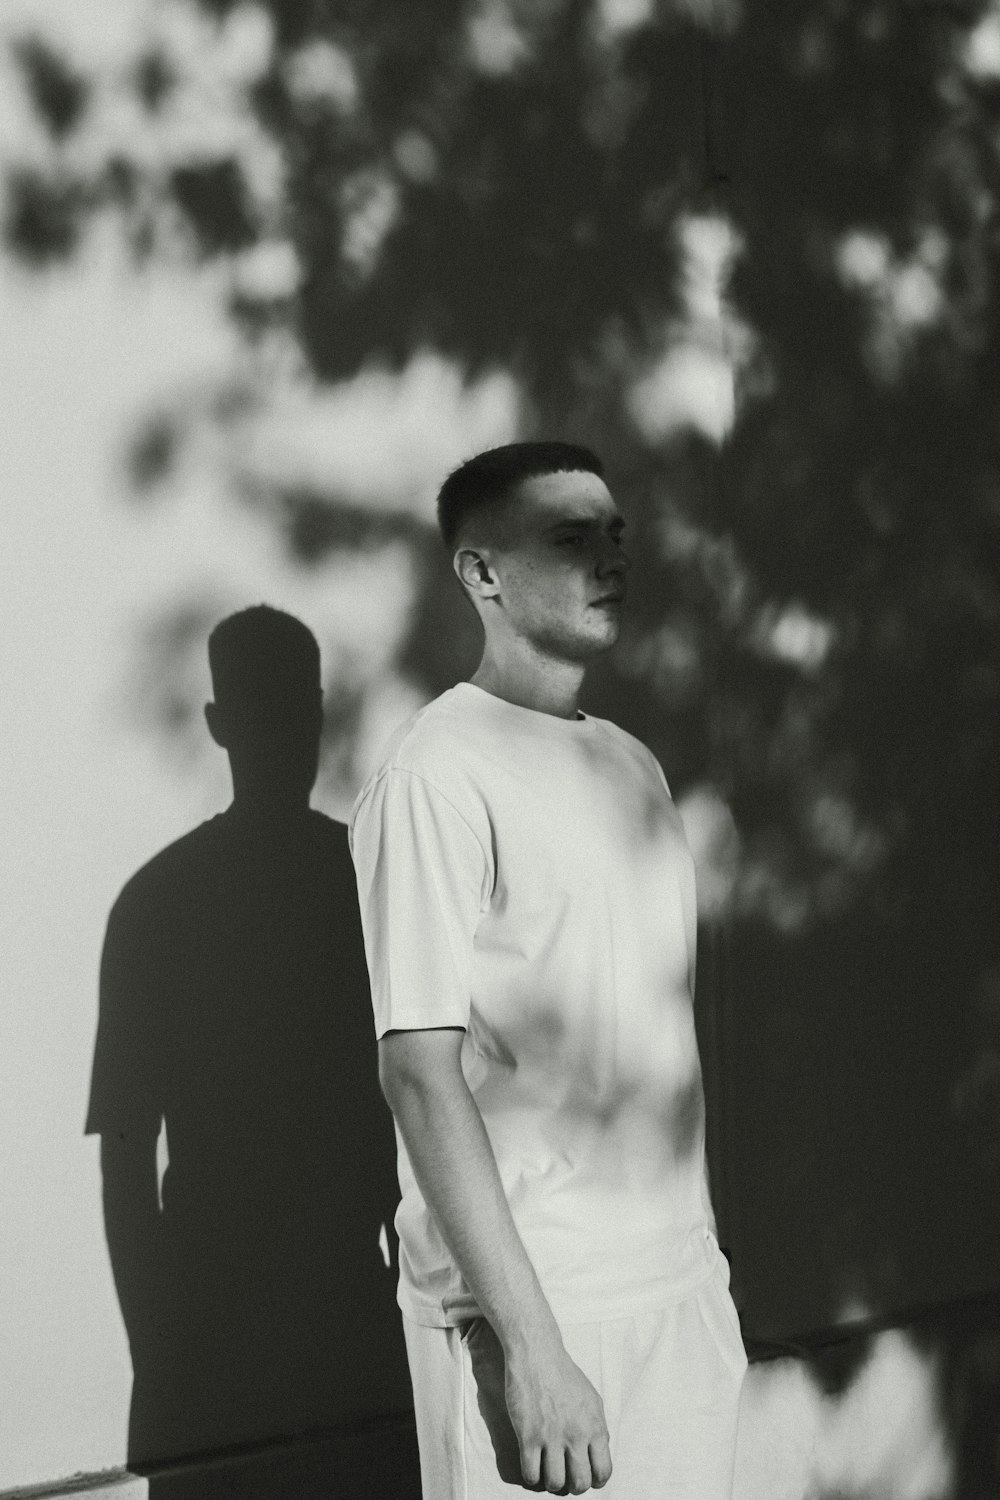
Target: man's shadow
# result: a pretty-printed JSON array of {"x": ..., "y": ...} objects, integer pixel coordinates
[{"x": 235, "y": 1011}]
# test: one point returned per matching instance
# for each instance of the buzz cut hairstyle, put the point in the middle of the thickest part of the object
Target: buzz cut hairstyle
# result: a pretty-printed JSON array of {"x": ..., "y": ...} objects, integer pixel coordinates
[
  {"x": 485, "y": 482},
  {"x": 258, "y": 654}
]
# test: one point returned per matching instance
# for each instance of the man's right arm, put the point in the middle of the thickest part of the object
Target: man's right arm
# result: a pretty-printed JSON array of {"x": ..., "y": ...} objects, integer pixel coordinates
[
  {"x": 132, "y": 1228},
  {"x": 556, "y": 1413},
  {"x": 125, "y": 1110}
]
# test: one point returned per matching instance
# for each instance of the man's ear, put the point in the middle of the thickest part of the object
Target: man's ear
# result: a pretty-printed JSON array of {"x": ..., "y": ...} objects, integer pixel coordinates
[
  {"x": 475, "y": 573},
  {"x": 216, "y": 724}
]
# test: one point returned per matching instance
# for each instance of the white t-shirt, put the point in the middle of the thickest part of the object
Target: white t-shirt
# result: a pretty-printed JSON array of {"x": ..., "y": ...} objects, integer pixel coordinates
[{"x": 527, "y": 877}]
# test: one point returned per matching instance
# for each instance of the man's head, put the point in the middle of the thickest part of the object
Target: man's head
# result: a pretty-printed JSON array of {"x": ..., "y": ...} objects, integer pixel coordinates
[
  {"x": 268, "y": 708},
  {"x": 482, "y": 489},
  {"x": 536, "y": 540}
]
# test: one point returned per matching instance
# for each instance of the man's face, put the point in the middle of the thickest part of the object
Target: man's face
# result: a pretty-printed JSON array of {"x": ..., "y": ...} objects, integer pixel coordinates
[{"x": 561, "y": 565}]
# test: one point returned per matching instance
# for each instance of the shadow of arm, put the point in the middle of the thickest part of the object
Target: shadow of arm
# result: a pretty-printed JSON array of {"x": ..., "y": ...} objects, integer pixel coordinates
[{"x": 132, "y": 1226}]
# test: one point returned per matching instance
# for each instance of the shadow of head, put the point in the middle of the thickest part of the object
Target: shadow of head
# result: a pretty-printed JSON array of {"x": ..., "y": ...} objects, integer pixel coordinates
[{"x": 268, "y": 708}]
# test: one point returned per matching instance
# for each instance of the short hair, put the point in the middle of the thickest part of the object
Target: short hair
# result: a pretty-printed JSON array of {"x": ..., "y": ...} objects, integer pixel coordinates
[
  {"x": 262, "y": 658},
  {"x": 486, "y": 480}
]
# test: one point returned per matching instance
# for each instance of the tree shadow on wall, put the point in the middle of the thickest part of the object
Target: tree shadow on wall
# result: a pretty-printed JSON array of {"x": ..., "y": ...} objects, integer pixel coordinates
[
  {"x": 813, "y": 612},
  {"x": 235, "y": 1012}
]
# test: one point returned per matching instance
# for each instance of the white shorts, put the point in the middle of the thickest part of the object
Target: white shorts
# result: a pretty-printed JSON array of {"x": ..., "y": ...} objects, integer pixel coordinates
[{"x": 670, "y": 1381}]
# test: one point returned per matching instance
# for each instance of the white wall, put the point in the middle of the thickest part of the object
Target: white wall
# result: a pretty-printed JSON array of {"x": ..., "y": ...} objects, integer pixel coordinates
[
  {"x": 87, "y": 795},
  {"x": 86, "y": 799}
]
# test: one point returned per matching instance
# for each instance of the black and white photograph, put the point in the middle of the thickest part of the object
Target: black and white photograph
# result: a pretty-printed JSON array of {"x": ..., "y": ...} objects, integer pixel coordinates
[{"x": 500, "y": 873}]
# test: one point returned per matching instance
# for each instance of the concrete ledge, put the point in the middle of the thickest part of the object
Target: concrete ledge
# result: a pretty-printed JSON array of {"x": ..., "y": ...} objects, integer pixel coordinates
[
  {"x": 109, "y": 1484},
  {"x": 370, "y": 1461},
  {"x": 367, "y": 1462}
]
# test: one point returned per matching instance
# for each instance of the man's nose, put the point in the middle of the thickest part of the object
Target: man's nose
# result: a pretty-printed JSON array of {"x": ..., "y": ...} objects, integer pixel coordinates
[{"x": 612, "y": 560}]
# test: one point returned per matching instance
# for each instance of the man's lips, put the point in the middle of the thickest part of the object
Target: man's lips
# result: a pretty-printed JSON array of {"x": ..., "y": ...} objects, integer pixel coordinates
[{"x": 616, "y": 598}]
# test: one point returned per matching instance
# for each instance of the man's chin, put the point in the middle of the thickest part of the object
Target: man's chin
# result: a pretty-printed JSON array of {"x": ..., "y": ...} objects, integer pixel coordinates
[
  {"x": 584, "y": 648},
  {"x": 607, "y": 637}
]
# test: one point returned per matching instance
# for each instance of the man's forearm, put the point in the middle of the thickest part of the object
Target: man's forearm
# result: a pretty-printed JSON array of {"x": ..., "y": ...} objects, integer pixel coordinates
[
  {"x": 456, "y": 1170},
  {"x": 132, "y": 1226}
]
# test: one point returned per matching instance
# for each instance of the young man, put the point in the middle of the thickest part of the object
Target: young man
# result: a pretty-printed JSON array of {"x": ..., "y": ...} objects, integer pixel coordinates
[{"x": 528, "y": 903}]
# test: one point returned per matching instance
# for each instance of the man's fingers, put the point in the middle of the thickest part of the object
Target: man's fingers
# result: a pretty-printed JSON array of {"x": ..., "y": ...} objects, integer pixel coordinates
[
  {"x": 554, "y": 1471},
  {"x": 531, "y": 1468},
  {"x": 578, "y": 1472},
  {"x": 600, "y": 1463}
]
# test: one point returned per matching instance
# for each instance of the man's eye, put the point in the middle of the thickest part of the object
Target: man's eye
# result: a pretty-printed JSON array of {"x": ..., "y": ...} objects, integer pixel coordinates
[{"x": 570, "y": 541}]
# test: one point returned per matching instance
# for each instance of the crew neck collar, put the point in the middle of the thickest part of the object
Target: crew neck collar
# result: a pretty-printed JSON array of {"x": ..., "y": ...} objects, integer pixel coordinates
[{"x": 513, "y": 713}]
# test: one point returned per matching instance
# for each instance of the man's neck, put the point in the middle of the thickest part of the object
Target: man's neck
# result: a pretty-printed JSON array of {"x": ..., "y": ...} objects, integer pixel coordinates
[
  {"x": 549, "y": 687},
  {"x": 275, "y": 810}
]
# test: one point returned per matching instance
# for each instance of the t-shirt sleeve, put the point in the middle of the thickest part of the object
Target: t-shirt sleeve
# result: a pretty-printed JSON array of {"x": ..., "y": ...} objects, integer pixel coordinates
[
  {"x": 660, "y": 775},
  {"x": 422, "y": 875}
]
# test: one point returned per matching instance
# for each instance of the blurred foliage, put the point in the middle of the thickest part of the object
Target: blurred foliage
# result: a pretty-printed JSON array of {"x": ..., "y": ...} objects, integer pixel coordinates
[
  {"x": 816, "y": 609},
  {"x": 801, "y": 192},
  {"x": 58, "y": 93}
]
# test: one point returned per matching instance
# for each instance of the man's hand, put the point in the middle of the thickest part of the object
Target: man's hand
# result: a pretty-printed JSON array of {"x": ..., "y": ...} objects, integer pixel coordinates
[
  {"x": 558, "y": 1418},
  {"x": 529, "y": 1387},
  {"x": 545, "y": 1420}
]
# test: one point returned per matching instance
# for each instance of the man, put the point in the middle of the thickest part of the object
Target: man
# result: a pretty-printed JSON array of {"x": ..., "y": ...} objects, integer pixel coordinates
[
  {"x": 528, "y": 902},
  {"x": 234, "y": 1010}
]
